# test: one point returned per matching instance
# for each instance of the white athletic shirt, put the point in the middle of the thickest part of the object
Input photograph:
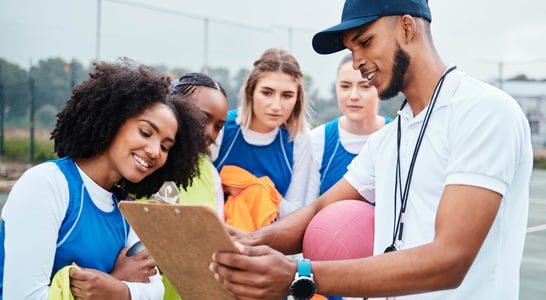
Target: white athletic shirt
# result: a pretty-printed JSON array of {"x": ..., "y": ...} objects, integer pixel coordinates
[
  {"x": 477, "y": 135},
  {"x": 42, "y": 192},
  {"x": 219, "y": 193}
]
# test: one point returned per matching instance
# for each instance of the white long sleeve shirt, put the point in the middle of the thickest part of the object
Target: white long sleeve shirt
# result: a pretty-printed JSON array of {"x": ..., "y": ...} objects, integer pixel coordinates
[{"x": 33, "y": 214}]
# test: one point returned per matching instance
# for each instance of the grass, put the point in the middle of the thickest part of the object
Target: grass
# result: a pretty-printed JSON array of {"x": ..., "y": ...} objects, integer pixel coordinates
[
  {"x": 18, "y": 149},
  {"x": 539, "y": 163}
]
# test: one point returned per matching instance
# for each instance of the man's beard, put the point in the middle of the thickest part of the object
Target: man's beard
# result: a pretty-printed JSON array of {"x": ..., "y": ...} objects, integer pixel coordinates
[{"x": 399, "y": 69}]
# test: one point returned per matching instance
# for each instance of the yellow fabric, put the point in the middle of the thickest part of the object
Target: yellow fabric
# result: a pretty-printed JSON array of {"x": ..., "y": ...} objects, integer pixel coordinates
[
  {"x": 203, "y": 188},
  {"x": 60, "y": 285},
  {"x": 170, "y": 292},
  {"x": 202, "y": 191},
  {"x": 258, "y": 203}
]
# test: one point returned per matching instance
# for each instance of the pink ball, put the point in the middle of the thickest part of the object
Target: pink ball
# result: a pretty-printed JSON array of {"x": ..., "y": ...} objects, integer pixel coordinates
[{"x": 342, "y": 230}]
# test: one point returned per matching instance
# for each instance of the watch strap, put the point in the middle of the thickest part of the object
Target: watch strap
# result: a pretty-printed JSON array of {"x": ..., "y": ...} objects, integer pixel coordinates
[{"x": 304, "y": 267}]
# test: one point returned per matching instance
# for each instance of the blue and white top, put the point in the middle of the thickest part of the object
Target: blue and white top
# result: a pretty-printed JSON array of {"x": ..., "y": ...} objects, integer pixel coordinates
[
  {"x": 335, "y": 158},
  {"x": 55, "y": 215},
  {"x": 286, "y": 163},
  {"x": 333, "y": 150},
  {"x": 84, "y": 225}
]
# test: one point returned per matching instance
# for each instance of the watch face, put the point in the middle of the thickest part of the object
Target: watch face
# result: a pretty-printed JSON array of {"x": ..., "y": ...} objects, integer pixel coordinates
[{"x": 303, "y": 288}]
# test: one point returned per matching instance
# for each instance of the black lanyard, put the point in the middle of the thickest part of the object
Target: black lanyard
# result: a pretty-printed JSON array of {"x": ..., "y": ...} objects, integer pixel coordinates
[{"x": 398, "y": 226}]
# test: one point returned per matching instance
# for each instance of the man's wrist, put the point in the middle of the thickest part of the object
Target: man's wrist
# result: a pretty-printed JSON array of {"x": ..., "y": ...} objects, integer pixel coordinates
[
  {"x": 303, "y": 287},
  {"x": 254, "y": 238},
  {"x": 293, "y": 271}
]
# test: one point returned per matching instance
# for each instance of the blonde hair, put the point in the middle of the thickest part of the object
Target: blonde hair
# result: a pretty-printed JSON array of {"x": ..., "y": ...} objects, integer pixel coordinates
[{"x": 275, "y": 60}]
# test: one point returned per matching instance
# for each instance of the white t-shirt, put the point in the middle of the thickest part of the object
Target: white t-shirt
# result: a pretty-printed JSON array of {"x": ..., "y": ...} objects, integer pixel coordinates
[
  {"x": 477, "y": 135},
  {"x": 42, "y": 192}
]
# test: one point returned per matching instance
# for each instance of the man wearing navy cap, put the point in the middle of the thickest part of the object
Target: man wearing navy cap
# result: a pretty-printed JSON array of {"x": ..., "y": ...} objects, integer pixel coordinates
[{"x": 449, "y": 178}]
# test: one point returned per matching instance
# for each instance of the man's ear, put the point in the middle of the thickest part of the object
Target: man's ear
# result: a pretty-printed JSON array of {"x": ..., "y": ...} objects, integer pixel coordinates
[{"x": 409, "y": 27}]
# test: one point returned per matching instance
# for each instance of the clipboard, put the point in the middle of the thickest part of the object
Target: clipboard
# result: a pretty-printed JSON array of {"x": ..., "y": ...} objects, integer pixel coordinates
[{"x": 181, "y": 239}]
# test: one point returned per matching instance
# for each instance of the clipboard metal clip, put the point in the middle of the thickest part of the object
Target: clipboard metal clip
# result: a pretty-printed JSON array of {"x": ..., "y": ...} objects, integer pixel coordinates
[{"x": 167, "y": 193}]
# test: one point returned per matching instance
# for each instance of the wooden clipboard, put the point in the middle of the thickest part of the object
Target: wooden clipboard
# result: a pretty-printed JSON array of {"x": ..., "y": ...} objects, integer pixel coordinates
[{"x": 181, "y": 239}]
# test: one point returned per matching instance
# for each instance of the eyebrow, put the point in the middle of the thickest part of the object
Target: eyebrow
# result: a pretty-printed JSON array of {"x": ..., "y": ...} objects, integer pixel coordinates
[
  {"x": 350, "y": 82},
  {"x": 357, "y": 35},
  {"x": 265, "y": 87},
  {"x": 152, "y": 124}
]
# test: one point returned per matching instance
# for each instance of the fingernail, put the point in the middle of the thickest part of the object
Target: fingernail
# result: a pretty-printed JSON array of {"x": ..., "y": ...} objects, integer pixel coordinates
[{"x": 239, "y": 246}]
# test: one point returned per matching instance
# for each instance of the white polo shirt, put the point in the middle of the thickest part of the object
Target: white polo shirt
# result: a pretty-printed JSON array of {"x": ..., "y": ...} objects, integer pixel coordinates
[{"x": 477, "y": 135}]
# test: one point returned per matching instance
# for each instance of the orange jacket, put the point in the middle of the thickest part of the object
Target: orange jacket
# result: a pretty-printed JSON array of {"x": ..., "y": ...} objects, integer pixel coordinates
[{"x": 256, "y": 205}]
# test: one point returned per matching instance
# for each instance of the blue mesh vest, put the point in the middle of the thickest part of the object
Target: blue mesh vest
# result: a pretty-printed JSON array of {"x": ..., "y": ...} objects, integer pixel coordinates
[
  {"x": 88, "y": 236},
  {"x": 274, "y": 160},
  {"x": 335, "y": 158}
]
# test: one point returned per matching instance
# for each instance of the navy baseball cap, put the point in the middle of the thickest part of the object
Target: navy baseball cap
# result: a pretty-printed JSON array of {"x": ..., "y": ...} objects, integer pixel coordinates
[{"x": 359, "y": 12}]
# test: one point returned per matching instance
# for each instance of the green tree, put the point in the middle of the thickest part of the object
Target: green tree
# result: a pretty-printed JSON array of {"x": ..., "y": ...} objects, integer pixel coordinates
[
  {"x": 16, "y": 94},
  {"x": 221, "y": 75},
  {"x": 51, "y": 82},
  {"x": 520, "y": 77},
  {"x": 54, "y": 79},
  {"x": 77, "y": 73},
  {"x": 235, "y": 85},
  {"x": 324, "y": 107},
  {"x": 46, "y": 116}
]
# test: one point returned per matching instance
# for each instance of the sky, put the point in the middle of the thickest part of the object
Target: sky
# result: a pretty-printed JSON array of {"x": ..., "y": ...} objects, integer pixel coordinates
[{"x": 476, "y": 35}]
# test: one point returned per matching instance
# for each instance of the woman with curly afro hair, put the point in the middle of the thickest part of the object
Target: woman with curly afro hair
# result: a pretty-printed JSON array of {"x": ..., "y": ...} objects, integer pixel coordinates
[{"x": 118, "y": 134}]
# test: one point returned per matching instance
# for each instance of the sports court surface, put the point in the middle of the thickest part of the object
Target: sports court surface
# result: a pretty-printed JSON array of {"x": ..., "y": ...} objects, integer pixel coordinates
[{"x": 533, "y": 266}]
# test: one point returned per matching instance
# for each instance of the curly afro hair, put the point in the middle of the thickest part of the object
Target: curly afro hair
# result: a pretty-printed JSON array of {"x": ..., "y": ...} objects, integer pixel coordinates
[{"x": 114, "y": 93}]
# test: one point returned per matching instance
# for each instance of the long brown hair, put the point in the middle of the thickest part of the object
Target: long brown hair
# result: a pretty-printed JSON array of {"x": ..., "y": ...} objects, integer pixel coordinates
[{"x": 275, "y": 60}]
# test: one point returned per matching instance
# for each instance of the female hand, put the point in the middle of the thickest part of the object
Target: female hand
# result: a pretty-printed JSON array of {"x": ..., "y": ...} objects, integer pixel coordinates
[
  {"x": 93, "y": 284},
  {"x": 136, "y": 268}
]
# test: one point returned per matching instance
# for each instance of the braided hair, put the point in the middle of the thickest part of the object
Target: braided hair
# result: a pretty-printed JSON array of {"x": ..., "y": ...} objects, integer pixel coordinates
[{"x": 188, "y": 83}]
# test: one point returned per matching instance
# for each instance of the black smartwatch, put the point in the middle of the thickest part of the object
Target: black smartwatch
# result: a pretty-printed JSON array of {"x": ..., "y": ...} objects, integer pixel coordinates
[{"x": 303, "y": 287}]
